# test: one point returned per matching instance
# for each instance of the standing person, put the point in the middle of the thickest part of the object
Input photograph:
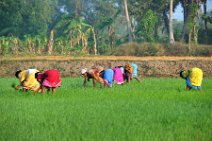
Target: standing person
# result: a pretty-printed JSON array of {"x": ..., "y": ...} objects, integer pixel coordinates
[
  {"x": 50, "y": 79},
  {"x": 193, "y": 78},
  {"x": 27, "y": 80},
  {"x": 118, "y": 75},
  {"x": 107, "y": 76},
  {"x": 93, "y": 74}
]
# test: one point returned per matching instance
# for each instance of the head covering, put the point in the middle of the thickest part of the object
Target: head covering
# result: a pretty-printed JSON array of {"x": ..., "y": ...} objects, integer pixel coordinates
[
  {"x": 129, "y": 68},
  {"x": 83, "y": 71},
  {"x": 183, "y": 73}
]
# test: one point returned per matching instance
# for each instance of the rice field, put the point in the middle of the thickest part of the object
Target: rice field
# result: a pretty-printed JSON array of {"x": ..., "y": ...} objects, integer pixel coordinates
[{"x": 158, "y": 109}]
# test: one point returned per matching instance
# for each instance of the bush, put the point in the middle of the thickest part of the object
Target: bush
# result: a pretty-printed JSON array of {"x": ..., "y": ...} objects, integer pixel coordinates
[
  {"x": 157, "y": 49},
  {"x": 178, "y": 49},
  {"x": 150, "y": 49},
  {"x": 202, "y": 51},
  {"x": 128, "y": 49},
  {"x": 143, "y": 49}
]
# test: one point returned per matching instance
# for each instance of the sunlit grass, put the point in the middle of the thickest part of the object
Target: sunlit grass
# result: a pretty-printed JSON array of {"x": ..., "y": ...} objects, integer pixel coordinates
[{"x": 156, "y": 109}]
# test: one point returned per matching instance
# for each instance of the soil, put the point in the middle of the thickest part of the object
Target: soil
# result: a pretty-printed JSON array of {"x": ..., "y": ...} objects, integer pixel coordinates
[{"x": 71, "y": 66}]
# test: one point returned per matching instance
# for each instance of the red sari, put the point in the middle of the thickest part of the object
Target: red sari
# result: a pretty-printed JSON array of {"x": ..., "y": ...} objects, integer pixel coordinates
[{"x": 51, "y": 78}]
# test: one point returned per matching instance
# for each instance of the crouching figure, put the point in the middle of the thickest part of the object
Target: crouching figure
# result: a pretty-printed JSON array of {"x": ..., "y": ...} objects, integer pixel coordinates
[
  {"x": 27, "y": 80},
  {"x": 193, "y": 78},
  {"x": 50, "y": 79}
]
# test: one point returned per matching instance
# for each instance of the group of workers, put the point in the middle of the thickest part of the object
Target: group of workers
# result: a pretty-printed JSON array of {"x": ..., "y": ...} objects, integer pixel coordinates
[
  {"x": 35, "y": 80},
  {"x": 38, "y": 81},
  {"x": 108, "y": 77}
]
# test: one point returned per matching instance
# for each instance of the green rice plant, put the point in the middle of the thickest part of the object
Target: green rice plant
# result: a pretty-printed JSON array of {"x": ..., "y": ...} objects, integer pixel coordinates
[{"x": 157, "y": 109}]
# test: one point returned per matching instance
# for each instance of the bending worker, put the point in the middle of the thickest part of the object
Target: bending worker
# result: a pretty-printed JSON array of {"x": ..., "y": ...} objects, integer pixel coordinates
[{"x": 193, "y": 78}]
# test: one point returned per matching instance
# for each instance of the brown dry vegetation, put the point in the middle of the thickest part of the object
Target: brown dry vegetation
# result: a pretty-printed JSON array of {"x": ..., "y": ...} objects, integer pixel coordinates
[
  {"x": 158, "y": 49},
  {"x": 71, "y": 66},
  {"x": 94, "y": 58}
]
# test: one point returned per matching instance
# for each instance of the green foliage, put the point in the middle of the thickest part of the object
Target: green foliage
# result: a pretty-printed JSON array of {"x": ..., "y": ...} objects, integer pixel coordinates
[
  {"x": 74, "y": 30},
  {"x": 204, "y": 37},
  {"x": 36, "y": 18},
  {"x": 148, "y": 24},
  {"x": 20, "y": 17},
  {"x": 178, "y": 29},
  {"x": 156, "y": 109},
  {"x": 4, "y": 45}
]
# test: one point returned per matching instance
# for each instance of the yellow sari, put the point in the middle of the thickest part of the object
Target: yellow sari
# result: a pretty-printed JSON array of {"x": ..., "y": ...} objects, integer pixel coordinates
[
  {"x": 27, "y": 77},
  {"x": 196, "y": 76}
]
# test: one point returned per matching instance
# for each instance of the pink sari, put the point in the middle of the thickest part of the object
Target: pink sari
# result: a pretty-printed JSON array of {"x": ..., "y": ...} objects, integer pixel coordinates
[{"x": 118, "y": 76}]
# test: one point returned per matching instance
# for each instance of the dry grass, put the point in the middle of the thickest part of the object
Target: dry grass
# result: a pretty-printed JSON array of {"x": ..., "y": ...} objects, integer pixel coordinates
[{"x": 62, "y": 58}]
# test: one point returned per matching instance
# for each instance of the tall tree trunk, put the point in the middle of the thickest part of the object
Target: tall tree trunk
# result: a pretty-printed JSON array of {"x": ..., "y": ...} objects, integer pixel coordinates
[
  {"x": 50, "y": 43},
  {"x": 205, "y": 12},
  {"x": 166, "y": 21},
  {"x": 205, "y": 21},
  {"x": 111, "y": 34},
  {"x": 185, "y": 21},
  {"x": 171, "y": 35},
  {"x": 94, "y": 42},
  {"x": 129, "y": 27},
  {"x": 191, "y": 11}
]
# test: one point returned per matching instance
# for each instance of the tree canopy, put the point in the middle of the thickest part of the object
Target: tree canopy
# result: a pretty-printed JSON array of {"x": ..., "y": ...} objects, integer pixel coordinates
[{"x": 71, "y": 19}]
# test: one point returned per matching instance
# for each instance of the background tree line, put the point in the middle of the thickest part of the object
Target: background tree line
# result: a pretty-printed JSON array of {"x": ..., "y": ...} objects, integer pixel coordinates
[{"x": 77, "y": 27}]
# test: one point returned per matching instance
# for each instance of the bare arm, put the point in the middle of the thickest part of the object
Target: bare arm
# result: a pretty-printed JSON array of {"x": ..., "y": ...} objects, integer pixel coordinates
[{"x": 19, "y": 86}]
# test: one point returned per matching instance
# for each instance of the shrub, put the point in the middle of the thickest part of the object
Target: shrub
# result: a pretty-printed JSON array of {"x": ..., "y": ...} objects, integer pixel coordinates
[
  {"x": 202, "y": 50},
  {"x": 128, "y": 49},
  {"x": 178, "y": 49},
  {"x": 150, "y": 49},
  {"x": 143, "y": 49}
]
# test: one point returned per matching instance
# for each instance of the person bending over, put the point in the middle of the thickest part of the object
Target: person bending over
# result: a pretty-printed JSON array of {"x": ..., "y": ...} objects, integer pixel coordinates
[
  {"x": 27, "y": 80},
  {"x": 118, "y": 75},
  {"x": 107, "y": 76},
  {"x": 50, "y": 79},
  {"x": 193, "y": 77},
  {"x": 93, "y": 74}
]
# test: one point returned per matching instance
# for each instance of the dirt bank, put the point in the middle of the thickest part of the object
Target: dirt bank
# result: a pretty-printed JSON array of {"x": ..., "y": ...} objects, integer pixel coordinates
[{"x": 71, "y": 66}]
